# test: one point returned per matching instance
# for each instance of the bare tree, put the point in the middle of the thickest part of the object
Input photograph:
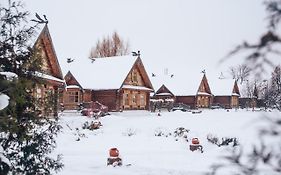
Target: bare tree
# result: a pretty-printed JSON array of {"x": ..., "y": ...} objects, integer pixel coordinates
[
  {"x": 240, "y": 73},
  {"x": 110, "y": 46},
  {"x": 260, "y": 53}
]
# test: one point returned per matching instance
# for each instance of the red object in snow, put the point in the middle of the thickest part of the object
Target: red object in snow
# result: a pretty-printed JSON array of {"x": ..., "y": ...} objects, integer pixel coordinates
[
  {"x": 113, "y": 152},
  {"x": 195, "y": 141}
]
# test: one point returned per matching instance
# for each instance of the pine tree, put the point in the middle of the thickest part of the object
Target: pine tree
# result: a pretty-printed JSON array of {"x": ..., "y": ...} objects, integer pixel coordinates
[{"x": 26, "y": 138}]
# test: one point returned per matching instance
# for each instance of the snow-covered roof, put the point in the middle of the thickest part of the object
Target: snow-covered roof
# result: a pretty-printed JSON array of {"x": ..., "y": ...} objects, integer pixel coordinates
[
  {"x": 48, "y": 77},
  {"x": 163, "y": 94},
  {"x": 136, "y": 87},
  {"x": 103, "y": 73},
  {"x": 9, "y": 75},
  {"x": 72, "y": 87},
  {"x": 178, "y": 84},
  {"x": 222, "y": 87}
]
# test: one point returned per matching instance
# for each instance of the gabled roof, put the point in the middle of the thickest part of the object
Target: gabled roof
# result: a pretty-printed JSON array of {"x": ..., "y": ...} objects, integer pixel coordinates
[
  {"x": 138, "y": 65},
  {"x": 70, "y": 80},
  {"x": 179, "y": 84},
  {"x": 163, "y": 90},
  {"x": 224, "y": 87},
  {"x": 104, "y": 73},
  {"x": 45, "y": 40}
]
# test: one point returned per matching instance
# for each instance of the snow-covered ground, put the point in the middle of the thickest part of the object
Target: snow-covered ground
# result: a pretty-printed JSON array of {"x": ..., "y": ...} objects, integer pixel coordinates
[{"x": 143, "y": 153}]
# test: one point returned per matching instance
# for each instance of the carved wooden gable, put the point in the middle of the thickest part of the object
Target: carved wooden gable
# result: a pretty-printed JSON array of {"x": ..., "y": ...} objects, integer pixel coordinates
[
  {"x": 134, "y": 78},
  {"x": 138, "y": 76},
  {"x": 236, "y": 88},
  {"x": 204, "y": 86},
  {"x": 45, "y": 49},
  {"x": 70, "y": 79},
  {"x": 163, "y": 89}
]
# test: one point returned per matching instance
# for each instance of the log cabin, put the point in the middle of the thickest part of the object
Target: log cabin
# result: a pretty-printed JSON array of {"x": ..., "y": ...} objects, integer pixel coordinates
[
  {"x": 119, "y": 82},
  {"x": 225, "y": 93},
  {"x": 193, "y": 91},
  {"x": 164, "y": 93},
  {"x": 198, "y": 94},
  {"x": 50, "y": 72},
  {"x": 74, "y": 94}
]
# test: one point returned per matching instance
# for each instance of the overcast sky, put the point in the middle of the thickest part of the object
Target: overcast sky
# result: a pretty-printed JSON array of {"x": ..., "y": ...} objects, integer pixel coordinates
[{"x": 173, "y": 34}]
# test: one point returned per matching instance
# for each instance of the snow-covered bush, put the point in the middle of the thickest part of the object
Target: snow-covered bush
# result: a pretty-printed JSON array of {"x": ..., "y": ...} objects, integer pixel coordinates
[
  {"x": 130, "y": 132},
  {"x": 4, "y": 101},
  {"x": 159, "y": 132},
  {"x": 213, "y": 139},
  {"x": 92, "y": 126},
  {"x": 5, "y": 164},
  {"x": 181, "y": 132},
  {"x": 225, "y": 141}
]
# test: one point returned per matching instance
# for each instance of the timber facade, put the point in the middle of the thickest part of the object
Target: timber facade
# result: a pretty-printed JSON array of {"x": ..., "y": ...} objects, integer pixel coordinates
[
  {"x": 228, "y": 101},
  {"x": 50, "y": 73},
  {"x": 203, "y": 96},
  {"x": 133, "y": 94},
  {"x": 128, "y": 90},
  {"x": 202, "y": 99},
  {"x": 199, "y": 96}
]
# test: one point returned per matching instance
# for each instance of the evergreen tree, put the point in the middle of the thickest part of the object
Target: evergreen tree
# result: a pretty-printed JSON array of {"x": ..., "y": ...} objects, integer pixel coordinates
[
  {"x": 26, "y": 138},
  {"x": 267, "y": 153}
]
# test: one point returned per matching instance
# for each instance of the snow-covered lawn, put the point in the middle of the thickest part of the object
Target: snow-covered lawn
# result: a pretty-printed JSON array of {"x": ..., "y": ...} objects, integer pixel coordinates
[{"x": 143, "y": 153}]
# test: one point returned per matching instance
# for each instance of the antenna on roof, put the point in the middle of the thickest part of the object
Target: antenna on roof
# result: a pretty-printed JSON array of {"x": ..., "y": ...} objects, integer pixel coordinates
[{"x": 203, "y": 71}]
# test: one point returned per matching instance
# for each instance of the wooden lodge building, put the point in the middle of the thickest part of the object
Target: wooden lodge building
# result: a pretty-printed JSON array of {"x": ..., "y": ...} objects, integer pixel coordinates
[
  {"x": 120, "y": 82},
  {"x": 226, "y": 93},
  {"x": 74, "y": 94},
  {"x": 50, "y": 73},
  {"x": 194, "y": 92}
]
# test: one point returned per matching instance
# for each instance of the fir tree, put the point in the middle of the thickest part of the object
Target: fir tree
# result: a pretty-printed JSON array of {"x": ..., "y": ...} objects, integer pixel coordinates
[{"x": 26, "y": 138}]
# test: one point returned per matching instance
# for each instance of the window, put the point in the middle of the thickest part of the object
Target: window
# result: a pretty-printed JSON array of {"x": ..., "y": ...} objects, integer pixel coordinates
[
  {"x": 142, "y": 100},
  {"x": 234, "y": 102},
  {"x": 135, "y": 77},
  {"x": 73, "y": 97},
  {"x": 126, "y": 99},
  {"x": 134, "y": 99},
  {"x": 206, "y": 102}
]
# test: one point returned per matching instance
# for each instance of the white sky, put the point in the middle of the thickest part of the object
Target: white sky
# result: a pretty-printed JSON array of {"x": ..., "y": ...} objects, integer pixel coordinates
[{"x": 170, "y": 34}]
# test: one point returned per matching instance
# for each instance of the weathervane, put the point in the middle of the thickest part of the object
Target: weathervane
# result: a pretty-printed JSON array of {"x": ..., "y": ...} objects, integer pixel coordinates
[
  {"x": 40, "y": 20},
  {"x": 69, "y": 60},
  {"x": 136, "y": 54}
]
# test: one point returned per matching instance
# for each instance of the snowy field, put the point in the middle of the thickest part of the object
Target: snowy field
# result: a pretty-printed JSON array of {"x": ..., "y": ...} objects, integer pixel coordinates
[{"x": 143, "y": 153}]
